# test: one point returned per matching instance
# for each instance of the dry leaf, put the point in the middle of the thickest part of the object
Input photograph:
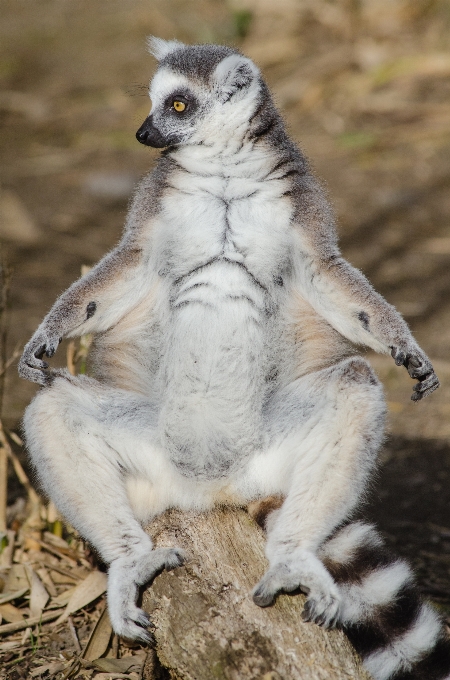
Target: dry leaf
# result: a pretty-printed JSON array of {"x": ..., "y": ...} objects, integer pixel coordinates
[
  {"x": 127, "y": 664},
  {"x": 51, "y": 668},
  {"x": 17, "y": 579},
  {"x": 9, "y": 597},
  {"x": 100, "y": 637},
  {"x": 62, "y": 599},
  {"x": 10, "y": 613},
  {"x": 39, "y": 596},
  {"x": 85, "y": 592},
  {"x": 59, "y": 578}
]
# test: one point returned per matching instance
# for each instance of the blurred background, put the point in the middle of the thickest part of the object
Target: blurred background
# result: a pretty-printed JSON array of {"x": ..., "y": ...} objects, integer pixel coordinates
[{"x": 364, "y": 86}]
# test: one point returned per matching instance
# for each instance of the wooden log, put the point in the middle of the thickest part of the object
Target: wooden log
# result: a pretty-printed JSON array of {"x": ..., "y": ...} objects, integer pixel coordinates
[{"x": 206, "y": 624}]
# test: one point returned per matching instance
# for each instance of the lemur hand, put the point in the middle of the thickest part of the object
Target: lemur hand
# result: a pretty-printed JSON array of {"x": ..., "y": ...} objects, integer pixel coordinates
[
  {"x": 419, "y": 367},
  {"x": 31, "y": 365}
]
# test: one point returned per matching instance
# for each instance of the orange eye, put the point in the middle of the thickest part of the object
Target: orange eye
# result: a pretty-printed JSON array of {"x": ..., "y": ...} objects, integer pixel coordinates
[{"x": 179, "y": 106}]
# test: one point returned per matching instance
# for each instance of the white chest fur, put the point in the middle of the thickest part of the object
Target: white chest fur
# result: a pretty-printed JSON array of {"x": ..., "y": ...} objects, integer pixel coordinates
[{"x": 223, "y": 246}]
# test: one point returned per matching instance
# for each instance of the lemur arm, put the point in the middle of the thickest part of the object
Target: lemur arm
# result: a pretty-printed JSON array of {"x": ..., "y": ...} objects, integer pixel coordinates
[
  {"x": 92, "y": 304},
  {"x": 344, "y": 297}
]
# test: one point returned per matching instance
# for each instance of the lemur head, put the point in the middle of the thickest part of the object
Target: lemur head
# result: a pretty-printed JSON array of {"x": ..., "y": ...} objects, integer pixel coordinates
[{"x": 199, "y": 94}]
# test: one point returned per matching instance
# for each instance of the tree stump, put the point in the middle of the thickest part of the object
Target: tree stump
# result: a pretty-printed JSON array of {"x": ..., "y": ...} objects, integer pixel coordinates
[{"x": 207, "y": 626}]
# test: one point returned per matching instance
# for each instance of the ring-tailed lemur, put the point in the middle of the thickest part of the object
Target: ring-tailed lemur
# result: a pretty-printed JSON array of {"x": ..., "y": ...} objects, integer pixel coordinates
[{"x": 226, "y": 322}]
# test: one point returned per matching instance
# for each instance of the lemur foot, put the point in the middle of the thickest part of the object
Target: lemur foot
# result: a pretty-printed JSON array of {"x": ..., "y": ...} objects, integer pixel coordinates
[
  {"x": 322, "y": 610},
  {"x": 305, "y": 572},
  {"x": 125, "y": 576}
]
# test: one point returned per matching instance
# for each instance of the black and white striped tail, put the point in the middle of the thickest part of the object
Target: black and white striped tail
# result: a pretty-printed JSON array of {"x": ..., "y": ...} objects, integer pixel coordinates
[{"x": 398, "y": 636}]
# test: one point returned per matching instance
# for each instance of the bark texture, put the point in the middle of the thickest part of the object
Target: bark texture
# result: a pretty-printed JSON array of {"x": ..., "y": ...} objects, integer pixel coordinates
[{"x": 207, "y": 627}]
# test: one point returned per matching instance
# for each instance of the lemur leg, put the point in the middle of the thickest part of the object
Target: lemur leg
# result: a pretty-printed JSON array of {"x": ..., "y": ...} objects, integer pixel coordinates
[
  {"x": 325, "y": 431},
  {"x": 83, "y": 439}
]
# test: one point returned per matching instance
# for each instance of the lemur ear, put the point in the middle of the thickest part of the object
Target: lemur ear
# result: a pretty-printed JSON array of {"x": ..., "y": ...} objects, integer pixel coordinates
[
  {"x": 232, "y": 74},
  {"x": 161, "y": 48}
]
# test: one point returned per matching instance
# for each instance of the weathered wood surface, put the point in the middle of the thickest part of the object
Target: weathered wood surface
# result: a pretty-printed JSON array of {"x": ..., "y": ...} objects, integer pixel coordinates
[{"x": 207, "y": 626}]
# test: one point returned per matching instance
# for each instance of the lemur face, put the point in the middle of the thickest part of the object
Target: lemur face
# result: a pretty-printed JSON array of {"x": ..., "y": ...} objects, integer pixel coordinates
[{"x": 198, "y": 94}]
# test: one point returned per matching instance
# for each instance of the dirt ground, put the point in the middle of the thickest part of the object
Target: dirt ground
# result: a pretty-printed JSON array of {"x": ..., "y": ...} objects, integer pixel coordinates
[{"x": 365, "y": 88}]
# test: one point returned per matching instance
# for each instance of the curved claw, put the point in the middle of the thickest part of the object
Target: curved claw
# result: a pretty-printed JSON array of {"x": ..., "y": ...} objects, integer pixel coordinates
[
  {"x": 126, "y": 575},
  {"x": 324, "y": 614},
  {"x": 135, "y": 628},
  {"x": 425, "y": 387}
]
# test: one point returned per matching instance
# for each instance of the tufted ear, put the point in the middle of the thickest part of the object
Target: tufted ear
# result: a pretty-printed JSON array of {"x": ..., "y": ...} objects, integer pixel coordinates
[
  {"x": 161, "y": 48},
  {"x": 232, "y": 74}
]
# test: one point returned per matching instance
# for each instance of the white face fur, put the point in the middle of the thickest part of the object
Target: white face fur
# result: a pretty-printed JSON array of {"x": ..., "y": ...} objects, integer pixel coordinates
[{"x": 209, "y": 110}]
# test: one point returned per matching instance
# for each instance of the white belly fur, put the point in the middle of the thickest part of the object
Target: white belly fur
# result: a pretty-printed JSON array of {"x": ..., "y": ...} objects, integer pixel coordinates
[{"x": 214, "y": 369}]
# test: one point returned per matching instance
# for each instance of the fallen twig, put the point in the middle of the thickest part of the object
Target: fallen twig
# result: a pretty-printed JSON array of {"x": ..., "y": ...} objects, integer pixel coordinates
[{"x": 21, "y": 625}]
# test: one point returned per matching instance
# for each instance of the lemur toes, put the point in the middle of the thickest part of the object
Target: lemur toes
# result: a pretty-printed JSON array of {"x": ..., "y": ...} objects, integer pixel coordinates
[
  {"x": 134, "y": 626},
  {"x": 280, "y": 578},
  {"x": 425, "y": 387},
  {"x": 323, "y": 612},
  {"x": 126, "y": 576},
  {"x": 159, "y": 559},
  {"x": 298, "y": 573}
]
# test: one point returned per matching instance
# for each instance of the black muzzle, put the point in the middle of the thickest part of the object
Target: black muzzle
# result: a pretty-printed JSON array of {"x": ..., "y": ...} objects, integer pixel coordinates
[{"x": 151, "y": 136}]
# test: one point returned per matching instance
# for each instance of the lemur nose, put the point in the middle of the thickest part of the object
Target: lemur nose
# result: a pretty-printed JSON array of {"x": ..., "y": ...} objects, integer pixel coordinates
[
  {"x": 141, "y": 135},
  {"x": 149, "y": 135}
]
